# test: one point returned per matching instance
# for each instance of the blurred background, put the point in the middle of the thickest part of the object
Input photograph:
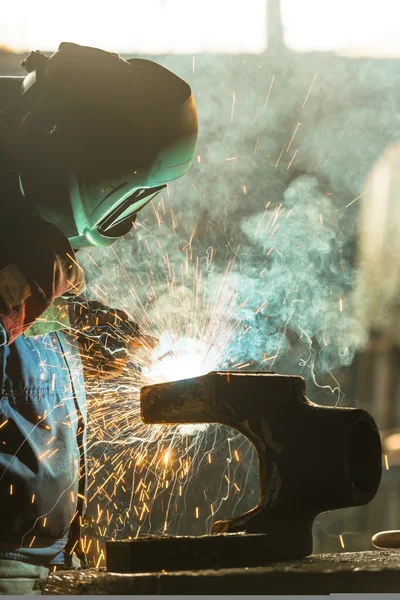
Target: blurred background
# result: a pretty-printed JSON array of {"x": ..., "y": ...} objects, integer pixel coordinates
[{"x": 288, "y": 221}]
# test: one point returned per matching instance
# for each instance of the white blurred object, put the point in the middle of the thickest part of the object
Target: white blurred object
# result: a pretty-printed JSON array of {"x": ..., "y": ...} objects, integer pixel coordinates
[
  {"x": 386, "y": 539},
  {"x": 355, "y": 28},
  {"x": 134, "y": 26},
  {"x": 377, "y": 294},
  {"x": 391, "y": 442}
]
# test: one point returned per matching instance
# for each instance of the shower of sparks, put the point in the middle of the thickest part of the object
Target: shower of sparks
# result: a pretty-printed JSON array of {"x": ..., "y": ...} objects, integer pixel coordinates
[
  {"x": 155, "y": 479},
  {"x": 146, "y": 478}
]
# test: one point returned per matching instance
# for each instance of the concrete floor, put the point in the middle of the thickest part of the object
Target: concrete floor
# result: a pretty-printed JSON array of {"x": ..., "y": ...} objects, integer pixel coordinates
[{"x": 349, "y": 572}]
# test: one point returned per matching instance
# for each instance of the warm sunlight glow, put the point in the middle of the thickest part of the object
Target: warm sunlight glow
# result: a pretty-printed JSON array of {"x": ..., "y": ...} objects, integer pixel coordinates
[
  {"x": 137, "y": 26},
  {"x": 349, "y": 27}
]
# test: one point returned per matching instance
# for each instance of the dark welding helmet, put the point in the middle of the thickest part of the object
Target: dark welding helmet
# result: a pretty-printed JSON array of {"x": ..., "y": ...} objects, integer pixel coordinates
[{"x": 101, "y": 138}]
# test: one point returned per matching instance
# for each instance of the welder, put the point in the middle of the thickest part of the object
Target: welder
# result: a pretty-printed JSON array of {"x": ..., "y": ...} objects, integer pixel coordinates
[{"x": 87, "y": 140}]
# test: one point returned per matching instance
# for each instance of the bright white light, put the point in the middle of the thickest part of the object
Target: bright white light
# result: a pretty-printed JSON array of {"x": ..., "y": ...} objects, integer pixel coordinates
[
  {"x": 177, "y": 359},
  {"x": 182, "y": 358},
  {"x": 348, "y": 27},
  {"x": 137, "y": 26}
]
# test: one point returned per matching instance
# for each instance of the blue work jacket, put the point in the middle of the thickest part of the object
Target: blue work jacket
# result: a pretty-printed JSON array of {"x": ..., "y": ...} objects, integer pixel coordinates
[{"x": 42, "y": 441}]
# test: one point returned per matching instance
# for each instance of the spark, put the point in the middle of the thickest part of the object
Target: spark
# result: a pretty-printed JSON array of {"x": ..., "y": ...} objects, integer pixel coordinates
[
  {"x": 355, "y": 199},
  {"x": 262, "y": 219},
  {"x": 316, "y": 168},
  {"x": 159, "y": 221},
  {"x": 292, "y": 138},
  {"x": 262, "y": 306},
  {"x": 274, "y": 231},
  {"x": 327, "y": 160},
  {"x": 74, "y": 261},
  {"x": 386, "y": 462},
  {"x": 269, "y": 91},
  {"x": 280, "y": 156},
  {"x": 341, "y": 540},
  {"x": 270, "y": 358},
  {"x": 309, "y": 91},
  {"x": 233, "y": 105},
  {"x": 293, "y": 157}
]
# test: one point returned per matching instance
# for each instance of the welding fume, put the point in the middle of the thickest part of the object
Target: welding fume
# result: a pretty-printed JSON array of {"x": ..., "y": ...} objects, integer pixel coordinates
[
  {"x": 87, "y": 140},
  {"x": 154, "y": 409}
]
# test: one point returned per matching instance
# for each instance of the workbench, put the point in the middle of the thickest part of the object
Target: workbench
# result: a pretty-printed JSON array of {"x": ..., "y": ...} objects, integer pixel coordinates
[{"x": 347, "y": 572}]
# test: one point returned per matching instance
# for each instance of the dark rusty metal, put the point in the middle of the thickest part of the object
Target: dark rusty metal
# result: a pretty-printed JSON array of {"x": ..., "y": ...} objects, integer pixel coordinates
[
  {"x": 311, "y": 458},
  {"x": 348, "y": 572},
  {"x": 179, "y": 553}
]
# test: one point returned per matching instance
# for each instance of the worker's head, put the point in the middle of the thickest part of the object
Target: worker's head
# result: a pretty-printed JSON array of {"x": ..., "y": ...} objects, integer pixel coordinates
[{"x": 102, "y": 136}]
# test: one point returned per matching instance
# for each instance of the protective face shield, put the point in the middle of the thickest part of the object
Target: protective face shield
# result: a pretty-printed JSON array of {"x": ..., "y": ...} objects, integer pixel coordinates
[{"x": 102, "y": 138}]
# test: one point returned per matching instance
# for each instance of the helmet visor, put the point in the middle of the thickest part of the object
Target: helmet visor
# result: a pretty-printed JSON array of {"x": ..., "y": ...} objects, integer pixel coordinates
[{"x": 120, "y": 219}]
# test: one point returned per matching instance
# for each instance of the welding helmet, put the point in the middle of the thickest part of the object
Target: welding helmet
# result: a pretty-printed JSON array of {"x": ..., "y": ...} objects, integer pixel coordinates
[{"x": 101, "y": 138}]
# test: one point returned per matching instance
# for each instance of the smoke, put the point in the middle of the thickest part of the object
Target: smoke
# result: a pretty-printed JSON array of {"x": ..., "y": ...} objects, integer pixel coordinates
[
  {"x": 303, "y": 286},
  {"x": 282, "y": 153},
  {"x": 249, "y": 259}
]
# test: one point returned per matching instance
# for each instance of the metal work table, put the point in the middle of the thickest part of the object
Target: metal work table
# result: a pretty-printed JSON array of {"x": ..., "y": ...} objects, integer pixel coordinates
[{"x": 351, "y": 572}]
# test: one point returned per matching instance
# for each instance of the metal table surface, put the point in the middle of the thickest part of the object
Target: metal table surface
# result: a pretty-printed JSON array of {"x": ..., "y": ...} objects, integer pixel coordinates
[{"x": 347, "y": 572}]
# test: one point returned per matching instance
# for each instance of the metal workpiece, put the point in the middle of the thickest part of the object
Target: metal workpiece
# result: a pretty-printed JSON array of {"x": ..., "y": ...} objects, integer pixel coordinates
[{"x": 311, "y": 458}]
